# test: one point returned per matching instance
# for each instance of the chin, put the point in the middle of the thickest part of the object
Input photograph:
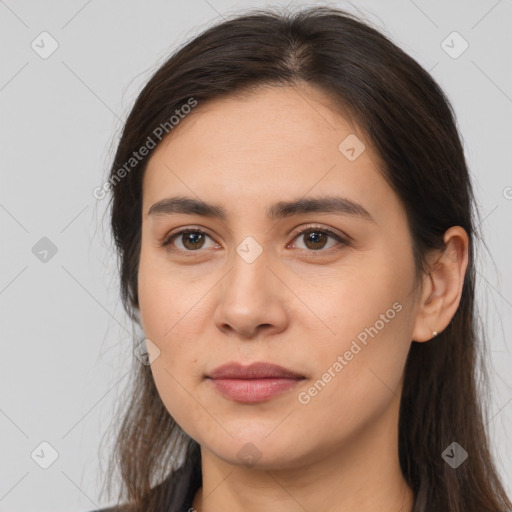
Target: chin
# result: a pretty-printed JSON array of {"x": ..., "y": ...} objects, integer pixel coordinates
[{"x": 255, "y": 448}]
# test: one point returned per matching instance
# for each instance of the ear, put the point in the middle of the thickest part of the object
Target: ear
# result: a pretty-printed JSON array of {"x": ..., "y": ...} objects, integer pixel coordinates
[{"x": 442, "y": 286}]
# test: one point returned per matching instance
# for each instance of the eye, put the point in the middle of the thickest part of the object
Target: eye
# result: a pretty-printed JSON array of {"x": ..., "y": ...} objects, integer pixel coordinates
[
  {"x": 316, "y": 239},
  {"x": 192, "y": 239}
]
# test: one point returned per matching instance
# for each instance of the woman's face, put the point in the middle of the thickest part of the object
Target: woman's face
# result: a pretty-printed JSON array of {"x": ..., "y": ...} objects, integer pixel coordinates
[{"x": 335, "y": 309}]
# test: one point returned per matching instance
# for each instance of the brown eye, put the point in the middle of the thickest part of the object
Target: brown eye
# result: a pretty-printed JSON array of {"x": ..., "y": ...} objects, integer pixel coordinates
[
  {"x": 317, "y": 239},
  {"x": 314, "y": 240},
  {"x": 190, "y": 240}
]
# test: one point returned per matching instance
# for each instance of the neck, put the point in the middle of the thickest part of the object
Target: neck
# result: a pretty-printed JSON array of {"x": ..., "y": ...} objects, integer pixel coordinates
[{"x": 363, "y": 475}]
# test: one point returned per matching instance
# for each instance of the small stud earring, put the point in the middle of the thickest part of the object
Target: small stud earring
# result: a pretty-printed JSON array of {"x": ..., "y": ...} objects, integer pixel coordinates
[{"x": 434, "y": 334}]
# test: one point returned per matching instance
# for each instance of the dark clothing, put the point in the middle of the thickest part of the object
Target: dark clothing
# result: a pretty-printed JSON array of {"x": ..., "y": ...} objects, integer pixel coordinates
[{"x": 187, "y": 480}]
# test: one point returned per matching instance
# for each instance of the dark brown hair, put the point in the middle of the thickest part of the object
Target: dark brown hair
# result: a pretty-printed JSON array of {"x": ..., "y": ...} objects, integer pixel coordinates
[{"x": 409, "y": 121}]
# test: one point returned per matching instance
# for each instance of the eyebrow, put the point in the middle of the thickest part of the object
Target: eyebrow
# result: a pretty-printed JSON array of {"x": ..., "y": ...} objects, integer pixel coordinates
[{"x": 282, "y": 209}]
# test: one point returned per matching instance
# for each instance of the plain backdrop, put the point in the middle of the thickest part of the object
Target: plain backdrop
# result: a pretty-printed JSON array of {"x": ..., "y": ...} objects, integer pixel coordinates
[{"x": 66, "y": 343}]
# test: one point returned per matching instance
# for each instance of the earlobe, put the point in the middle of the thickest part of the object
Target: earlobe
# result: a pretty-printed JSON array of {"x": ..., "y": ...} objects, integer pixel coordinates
[
  {"x": 442, "y": 286},
  {"x": 427, "y": 310}
]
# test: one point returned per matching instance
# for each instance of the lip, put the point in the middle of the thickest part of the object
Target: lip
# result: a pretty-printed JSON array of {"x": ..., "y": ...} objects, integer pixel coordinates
[
  {"x": 259, "y": 370},
  {"x": 257, "y": 382}
]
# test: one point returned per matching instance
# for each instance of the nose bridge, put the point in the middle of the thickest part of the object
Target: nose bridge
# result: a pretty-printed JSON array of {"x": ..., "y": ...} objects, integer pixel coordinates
[
  {"x": 249, "y": 293},
  {"x": 249, "y": 274}
]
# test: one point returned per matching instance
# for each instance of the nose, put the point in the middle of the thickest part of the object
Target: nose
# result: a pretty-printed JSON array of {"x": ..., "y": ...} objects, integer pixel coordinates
[{"x": 252, "y": 300}]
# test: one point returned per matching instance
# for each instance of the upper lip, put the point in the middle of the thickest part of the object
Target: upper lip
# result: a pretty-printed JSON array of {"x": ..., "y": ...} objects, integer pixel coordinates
[{"x": 259, "y": 370}]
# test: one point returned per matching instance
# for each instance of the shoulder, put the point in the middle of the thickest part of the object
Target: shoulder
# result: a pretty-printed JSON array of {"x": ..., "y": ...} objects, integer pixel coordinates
[{"x": 176, "y": 492}]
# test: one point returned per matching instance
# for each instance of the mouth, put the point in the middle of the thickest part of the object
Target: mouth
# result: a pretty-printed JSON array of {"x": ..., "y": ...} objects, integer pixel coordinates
[{"x": 255, "y": 383}]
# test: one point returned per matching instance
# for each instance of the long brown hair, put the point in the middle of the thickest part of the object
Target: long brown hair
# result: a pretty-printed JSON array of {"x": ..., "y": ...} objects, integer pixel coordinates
[{"x": 411, "y": 124}]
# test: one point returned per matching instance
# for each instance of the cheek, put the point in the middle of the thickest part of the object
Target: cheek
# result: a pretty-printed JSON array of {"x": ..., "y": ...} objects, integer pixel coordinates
[
  {"x": 175, "y": 371},
  {"x": 168, "y": 320},
  {"x": 167, "y": 296},
  {"x": 363, "y": 300},
  {"x": 360, "y": 362},
  {"x": 359, "y": 375}
]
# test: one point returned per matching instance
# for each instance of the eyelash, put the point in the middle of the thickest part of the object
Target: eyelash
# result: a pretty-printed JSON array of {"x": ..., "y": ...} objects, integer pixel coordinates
[{"x": 166, "y": 243}]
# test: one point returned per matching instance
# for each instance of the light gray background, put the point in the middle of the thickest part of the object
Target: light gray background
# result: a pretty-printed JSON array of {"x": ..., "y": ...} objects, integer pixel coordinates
[{"x": 66, "y": 344}]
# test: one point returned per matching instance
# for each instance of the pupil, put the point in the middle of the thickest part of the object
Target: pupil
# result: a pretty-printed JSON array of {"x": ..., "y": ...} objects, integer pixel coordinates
[
  {"x": 191, "y": 238},
  {"x": 314, "y": 237}
]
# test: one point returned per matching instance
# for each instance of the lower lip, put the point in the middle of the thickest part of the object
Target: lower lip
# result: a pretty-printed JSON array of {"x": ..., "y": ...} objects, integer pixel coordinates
[{"x": 253, "y": 390}]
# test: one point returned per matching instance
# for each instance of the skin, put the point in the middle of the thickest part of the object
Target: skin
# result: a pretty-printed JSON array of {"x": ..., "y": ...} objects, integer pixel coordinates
[{"x": 295, "y": 305}]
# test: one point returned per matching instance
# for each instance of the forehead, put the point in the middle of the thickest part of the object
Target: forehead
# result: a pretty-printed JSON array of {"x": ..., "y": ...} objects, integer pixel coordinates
[{"x": 272, "y": 144}]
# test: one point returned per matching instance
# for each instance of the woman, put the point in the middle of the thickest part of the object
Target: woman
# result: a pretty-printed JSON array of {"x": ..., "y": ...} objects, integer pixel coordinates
[{"x": 294, "y": 219}]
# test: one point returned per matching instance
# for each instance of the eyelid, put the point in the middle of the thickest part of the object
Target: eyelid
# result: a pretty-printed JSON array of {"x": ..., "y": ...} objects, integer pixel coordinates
[{"x": 339, "y": 235}]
